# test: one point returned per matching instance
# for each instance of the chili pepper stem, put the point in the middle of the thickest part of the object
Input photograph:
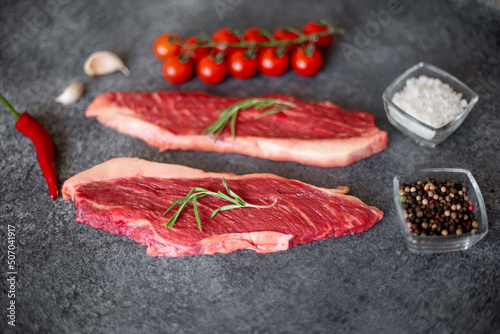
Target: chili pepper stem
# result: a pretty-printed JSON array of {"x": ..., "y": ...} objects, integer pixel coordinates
[
  {"x": 272, "y": 43},
  {"x": 7, "y": 104}
]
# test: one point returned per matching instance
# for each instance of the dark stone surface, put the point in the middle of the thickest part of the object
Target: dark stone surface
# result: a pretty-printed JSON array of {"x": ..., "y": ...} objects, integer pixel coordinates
[{"x": 75, "y": 279}]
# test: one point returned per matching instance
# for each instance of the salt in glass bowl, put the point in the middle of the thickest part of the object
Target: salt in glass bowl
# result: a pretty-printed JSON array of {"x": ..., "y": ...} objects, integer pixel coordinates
[
  {"x": 450, "y": 243},
  {"x": 423, "y": 133}
]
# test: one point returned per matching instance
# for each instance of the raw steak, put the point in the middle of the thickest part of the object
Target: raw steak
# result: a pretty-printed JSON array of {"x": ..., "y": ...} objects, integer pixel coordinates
[
  {"x": 318, "y": 134},
  {"x": 128, "y": 196}
]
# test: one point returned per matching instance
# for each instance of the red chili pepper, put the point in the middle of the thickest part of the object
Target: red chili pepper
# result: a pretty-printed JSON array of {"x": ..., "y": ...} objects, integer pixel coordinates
[
  {"x": 471, "y": 208},
  {"x": 29, "y": 126}
]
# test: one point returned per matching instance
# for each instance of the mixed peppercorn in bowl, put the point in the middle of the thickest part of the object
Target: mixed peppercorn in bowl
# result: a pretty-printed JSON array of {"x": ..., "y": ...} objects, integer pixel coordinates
[{"x": 440, "y": 210}]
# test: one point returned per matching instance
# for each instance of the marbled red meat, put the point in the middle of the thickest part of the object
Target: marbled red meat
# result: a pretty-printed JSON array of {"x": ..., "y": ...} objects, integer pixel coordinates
[
  {"x": 318, "y": 134},
  {"x": 128, "y": 196}
]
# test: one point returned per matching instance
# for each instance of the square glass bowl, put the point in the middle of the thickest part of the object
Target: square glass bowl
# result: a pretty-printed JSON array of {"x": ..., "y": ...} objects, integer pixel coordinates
[
  {"x": 421, "y": 132},
  {"x": 442, "y": 244}
]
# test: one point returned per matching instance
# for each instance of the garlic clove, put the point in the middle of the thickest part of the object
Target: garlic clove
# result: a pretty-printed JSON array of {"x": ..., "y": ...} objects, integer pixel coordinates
[
  {"x": 104, "y": 62},
  {"x": 71, "y": 94}
]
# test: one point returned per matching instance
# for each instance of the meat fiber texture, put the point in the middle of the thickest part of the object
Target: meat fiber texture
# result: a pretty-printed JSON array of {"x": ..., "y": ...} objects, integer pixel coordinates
[
  {"x": 317, "y": 134},
  {"x": 128, "y": 196}
]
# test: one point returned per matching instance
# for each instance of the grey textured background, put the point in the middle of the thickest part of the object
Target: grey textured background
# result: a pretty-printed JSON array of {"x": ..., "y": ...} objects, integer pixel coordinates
[{"x": 75, "y": 279}]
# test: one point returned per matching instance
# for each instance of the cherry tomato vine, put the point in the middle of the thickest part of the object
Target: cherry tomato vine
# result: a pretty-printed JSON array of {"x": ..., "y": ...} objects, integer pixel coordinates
[{"x": 243, "y": 55}]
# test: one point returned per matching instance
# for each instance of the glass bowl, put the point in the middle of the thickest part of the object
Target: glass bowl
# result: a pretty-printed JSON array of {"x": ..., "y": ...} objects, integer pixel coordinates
[
  {"x": 423, "y": 133},
  {"x": 442, "y": 244}
]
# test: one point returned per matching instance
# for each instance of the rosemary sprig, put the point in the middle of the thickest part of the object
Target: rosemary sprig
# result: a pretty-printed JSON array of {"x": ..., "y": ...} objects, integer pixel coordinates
[
  {"x": 230, "y": 114},
  {"x": 196, "y": 193}
]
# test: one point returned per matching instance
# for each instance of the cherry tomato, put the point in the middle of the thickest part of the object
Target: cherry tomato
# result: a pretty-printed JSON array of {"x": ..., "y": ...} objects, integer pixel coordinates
[
  {"x": 240, "y": 66},
  {"x": 272, "y": 65},
  {"x": 163, "y": 49},
  {"x": 286, "y": 35},
  {"x": 210, "y": 71},
  {"x": 253, "y": 35},
  {"x": 305, "y": 65},
  {"x": 323, "y": 42},
  {"x": 177, "y": 71},
  {"x": 197, "y": 53},
  {"x": 225, "y": 36}
]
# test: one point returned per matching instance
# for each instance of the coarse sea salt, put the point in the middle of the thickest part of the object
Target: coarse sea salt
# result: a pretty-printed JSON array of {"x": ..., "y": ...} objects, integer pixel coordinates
[{"x": 430, "y": 100}]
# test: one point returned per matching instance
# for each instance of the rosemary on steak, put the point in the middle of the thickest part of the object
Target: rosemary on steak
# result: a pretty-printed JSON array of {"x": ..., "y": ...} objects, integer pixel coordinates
[
  {"x": 232, "y": 112},
  {"x": 196, "y": 193}
]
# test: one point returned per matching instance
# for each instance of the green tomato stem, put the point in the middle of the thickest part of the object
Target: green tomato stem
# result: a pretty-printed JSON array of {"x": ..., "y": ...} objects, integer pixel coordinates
[
  {"x": 7, "y": 104},
  {"x": 273, "y": 43}
]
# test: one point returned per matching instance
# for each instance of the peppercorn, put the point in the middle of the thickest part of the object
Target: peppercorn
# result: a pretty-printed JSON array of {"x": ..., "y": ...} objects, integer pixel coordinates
[{"x": 434, "y": 208}]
